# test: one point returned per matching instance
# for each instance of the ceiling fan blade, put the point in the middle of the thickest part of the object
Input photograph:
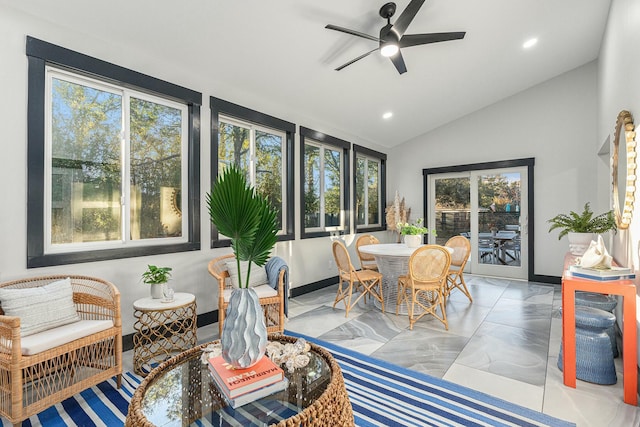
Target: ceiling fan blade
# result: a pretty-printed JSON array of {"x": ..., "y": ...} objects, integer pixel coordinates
[
  {"x": 405, "y": 18},
  {"x": 352, "y": 32},
  {"x": 398, "y": 61},
  {"x": 356, "y": 59},
  {"x": 418, "y": 39}
]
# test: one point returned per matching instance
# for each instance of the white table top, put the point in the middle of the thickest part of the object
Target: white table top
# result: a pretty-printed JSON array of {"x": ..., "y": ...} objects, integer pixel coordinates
[
  {"x": 391, "y": 249},
  {"x": 179, "y": 299}
]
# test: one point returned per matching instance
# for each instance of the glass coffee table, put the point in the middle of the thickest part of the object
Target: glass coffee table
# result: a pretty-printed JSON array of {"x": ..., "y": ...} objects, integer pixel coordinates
[{"x": 181, "y": 392}]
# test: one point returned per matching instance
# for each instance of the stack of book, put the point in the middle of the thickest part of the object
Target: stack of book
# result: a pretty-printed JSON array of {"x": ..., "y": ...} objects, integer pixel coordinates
[
  {"x": 241, "y": 386},
  {"x": 592, "y": 273}
]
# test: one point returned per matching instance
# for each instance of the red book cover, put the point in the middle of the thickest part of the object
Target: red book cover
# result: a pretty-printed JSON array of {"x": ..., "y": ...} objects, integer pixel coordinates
[{"x": 240, "y": 381}]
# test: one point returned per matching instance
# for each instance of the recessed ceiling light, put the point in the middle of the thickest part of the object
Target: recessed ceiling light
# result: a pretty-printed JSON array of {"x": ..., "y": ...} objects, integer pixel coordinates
[
  {"x": 387, "y": 115},
  {"x": 530, "y": 43}
]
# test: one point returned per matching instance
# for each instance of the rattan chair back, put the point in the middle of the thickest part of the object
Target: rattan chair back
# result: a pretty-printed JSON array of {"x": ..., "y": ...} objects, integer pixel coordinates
[
  {"x": 429, "y": 265},
  {"x": 461, "y": 252},
  {"x": 367, "y": 261},
  {"x": 342, "y": 258}
]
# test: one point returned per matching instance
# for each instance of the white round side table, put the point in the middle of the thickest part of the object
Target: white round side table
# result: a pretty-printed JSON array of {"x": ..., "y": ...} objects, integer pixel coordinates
[{"x": 162, "y": 330}]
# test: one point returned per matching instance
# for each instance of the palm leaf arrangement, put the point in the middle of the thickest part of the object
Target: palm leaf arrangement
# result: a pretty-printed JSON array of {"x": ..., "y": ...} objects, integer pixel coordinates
[
  {"x": 584, "y": 222},
  {"x": 243, "y": 216}
]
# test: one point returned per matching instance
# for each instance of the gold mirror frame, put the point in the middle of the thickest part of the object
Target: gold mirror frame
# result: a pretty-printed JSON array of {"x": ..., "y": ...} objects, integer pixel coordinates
[{"x": 624, "y": 213}]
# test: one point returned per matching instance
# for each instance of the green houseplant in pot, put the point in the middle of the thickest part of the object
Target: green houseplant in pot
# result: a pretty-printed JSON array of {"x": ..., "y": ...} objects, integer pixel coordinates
[
  {"x": 156, "y": 277},
  {"x": 249, "y": 221},
  {"x": 413, "y": 232},
  {"x": 580, "y": 227}
]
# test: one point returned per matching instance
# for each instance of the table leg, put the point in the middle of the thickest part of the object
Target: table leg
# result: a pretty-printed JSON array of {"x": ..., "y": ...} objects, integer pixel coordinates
[
  {"x": 569, "y": 334},
  {"x": 391, "y": 268},
  {"x": 629, "y": 349}
]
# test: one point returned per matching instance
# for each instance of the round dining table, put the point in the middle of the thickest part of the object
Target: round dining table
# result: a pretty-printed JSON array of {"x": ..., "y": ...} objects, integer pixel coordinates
[{"x": 393, "y": 261}]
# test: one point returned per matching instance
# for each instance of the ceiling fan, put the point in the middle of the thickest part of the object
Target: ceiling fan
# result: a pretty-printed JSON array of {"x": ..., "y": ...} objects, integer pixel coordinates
[{"x": 392, "y": 37}]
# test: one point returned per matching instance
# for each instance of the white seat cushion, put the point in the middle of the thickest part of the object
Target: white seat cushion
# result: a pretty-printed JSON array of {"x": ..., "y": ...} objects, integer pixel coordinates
[
  {"x": 263, "y": 291},
  {"x": 42, "y": 341}
]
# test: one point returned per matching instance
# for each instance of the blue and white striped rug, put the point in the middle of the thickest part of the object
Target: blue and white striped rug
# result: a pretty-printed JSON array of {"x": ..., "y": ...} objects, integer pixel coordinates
[{"x": 382, "y": 394}]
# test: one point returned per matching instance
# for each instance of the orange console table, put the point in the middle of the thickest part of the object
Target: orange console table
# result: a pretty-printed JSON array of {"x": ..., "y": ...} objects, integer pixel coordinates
[{"x": 624, "y": 288}]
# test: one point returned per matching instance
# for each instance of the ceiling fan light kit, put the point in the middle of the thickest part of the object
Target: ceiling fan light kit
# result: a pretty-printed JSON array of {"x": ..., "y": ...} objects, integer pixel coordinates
[{"x": 392, "y": 36}]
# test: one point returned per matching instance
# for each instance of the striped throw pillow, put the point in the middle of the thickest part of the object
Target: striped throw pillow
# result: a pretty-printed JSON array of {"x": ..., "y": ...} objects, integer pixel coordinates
[{"x": 40, "y": 308}]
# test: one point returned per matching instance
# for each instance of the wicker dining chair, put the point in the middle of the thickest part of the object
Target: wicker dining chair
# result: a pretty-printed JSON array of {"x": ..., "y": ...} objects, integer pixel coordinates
[
  {"x": 368, "y": 282},
  {"x": 455, "y": 278},
  {"x": 424, "y": 285},
  {"x": 367, "y": 261}
]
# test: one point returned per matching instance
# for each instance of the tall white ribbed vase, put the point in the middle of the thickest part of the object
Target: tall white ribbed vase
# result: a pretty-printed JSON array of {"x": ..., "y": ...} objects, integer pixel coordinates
[{"x": 244, "y": 333}]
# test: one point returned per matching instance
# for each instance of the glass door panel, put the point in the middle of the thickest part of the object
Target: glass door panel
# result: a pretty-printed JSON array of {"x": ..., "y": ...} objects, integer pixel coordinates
[
  {"x": 486, "y": 207},
  {"x": 452, "y": 208},
  {"x": 498, "y": 205}
]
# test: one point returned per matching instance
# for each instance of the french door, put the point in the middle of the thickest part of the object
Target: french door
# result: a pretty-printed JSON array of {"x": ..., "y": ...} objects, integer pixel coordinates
[{"x": 488, "y": 206}]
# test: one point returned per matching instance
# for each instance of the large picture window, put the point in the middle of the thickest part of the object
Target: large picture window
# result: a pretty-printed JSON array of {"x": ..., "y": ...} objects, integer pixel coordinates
[
  {"x": 261, "y": 146},
  {"x": 95, "y": 196},
  {"x": 115, "y": 179},
  {"x": 324, "y": 183},
  {"x": 370, "y": 188}
]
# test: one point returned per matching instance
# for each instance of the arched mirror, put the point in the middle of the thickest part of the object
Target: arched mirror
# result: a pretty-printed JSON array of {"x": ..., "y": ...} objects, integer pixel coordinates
[{"x": 623, "y": 169}]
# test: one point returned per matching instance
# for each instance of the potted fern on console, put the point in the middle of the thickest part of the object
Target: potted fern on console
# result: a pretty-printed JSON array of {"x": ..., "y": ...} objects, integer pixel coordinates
[{"x": 580, "y": 228}]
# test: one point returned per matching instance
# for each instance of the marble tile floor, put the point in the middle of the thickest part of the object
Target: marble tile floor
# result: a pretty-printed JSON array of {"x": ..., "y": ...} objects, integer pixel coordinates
[{"x": 505, "y": 344}]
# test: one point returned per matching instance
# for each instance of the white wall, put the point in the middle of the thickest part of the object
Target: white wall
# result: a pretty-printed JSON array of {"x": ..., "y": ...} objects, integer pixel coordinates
[
  {"x": 619, "y": 89},
  {"x": 555, "y": 122},
  {"x": 312, "y": 260}
]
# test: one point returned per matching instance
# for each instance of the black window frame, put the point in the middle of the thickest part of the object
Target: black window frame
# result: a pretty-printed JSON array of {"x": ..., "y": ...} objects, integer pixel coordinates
[
  {"x": 40, "y": 54},
  {"x": 219, "y": 107},
  {"x": 345, "y": 146},
  {"x": 358, "y": 149}
]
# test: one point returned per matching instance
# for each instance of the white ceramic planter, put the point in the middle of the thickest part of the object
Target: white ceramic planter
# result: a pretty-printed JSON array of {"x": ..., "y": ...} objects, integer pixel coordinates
[
  {"x": 413, "y": 241},
  {"x": 579, "y": 242},
  {"x": 157, "y": 290}
]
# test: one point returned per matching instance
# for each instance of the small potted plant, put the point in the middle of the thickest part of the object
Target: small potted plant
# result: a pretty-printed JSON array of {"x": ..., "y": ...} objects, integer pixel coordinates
[
  {"x": 580, "y": 228},
  {"x": 413, "y": 232},
  {"x": 156, "y": 277}
]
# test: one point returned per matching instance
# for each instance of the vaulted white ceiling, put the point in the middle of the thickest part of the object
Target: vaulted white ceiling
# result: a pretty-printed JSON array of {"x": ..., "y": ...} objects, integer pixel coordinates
[{"x": 279, "y": 50}]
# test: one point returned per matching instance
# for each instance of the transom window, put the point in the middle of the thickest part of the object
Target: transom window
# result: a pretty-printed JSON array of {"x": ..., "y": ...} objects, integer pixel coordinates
[{"x": 324, "y": 178}]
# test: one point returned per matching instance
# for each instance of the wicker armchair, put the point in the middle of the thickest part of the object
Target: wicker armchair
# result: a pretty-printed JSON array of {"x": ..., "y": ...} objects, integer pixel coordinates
[
  {"x": 272, "y": 304},
  {"x": 30, "y": 383}
]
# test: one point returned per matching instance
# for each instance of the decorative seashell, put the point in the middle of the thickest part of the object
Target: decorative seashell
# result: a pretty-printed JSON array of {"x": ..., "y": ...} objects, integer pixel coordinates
[{"x": 210, "y": 351}]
